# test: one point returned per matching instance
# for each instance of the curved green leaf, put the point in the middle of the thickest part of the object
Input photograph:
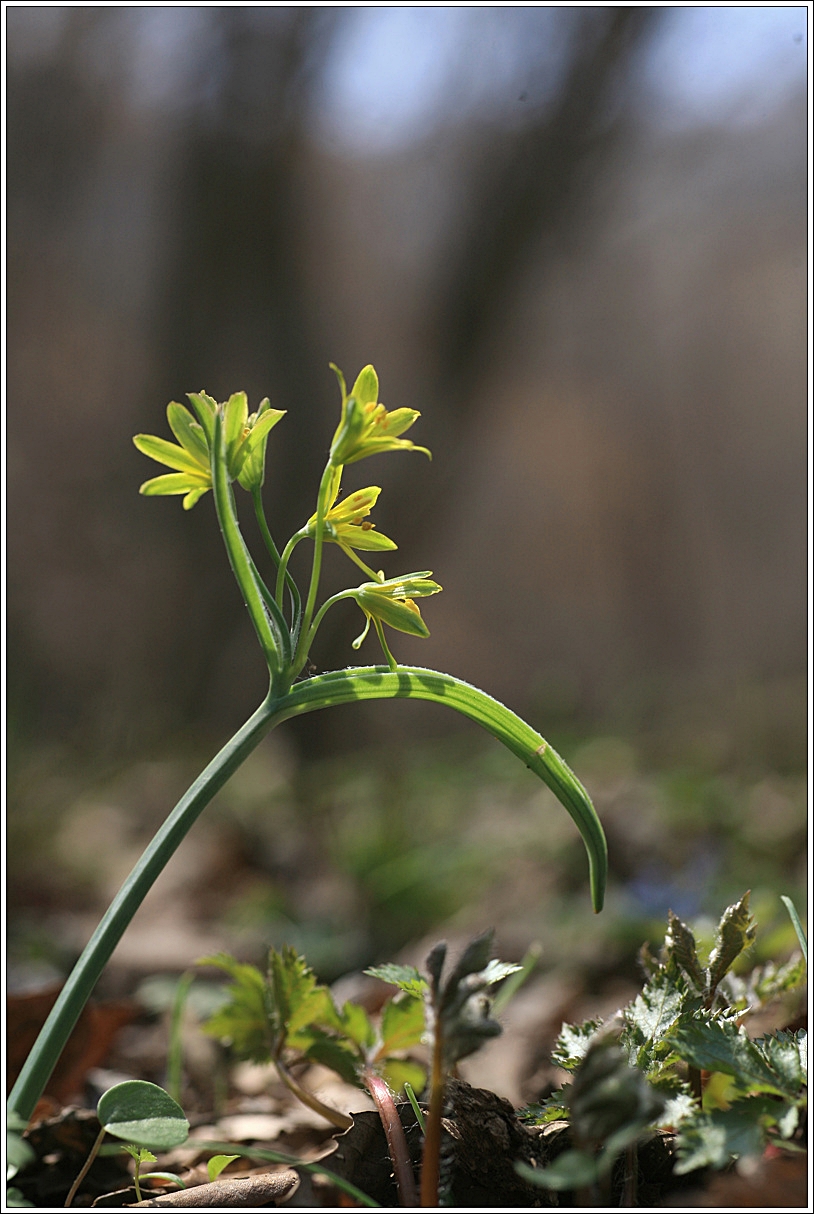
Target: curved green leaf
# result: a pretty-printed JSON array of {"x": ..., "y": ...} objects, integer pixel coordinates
[{"x": 414, "y": 682}]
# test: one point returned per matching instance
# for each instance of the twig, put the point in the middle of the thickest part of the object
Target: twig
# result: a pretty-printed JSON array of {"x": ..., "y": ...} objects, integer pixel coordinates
[{"x": 227, "y": 1193}]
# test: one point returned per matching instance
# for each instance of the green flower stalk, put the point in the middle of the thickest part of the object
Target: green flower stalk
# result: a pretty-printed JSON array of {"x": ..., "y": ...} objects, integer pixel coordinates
[{"x": 218, "y": 444}]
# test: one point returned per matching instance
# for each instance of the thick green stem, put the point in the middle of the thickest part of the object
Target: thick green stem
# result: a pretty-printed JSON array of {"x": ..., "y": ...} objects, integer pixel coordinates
[{"x": 76, "y": 992}]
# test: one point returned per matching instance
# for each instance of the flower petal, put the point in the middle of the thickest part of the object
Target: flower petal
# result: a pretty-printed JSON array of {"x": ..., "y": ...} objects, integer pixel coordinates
[{"x": 165, "y": 452}]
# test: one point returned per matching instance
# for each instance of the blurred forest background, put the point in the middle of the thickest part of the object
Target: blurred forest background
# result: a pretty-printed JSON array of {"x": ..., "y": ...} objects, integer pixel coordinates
[{"x": 575, "y": 239}]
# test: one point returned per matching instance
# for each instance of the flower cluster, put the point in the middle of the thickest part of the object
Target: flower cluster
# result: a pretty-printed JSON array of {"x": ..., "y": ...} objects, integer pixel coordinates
[{"x": 229, "y": 433}]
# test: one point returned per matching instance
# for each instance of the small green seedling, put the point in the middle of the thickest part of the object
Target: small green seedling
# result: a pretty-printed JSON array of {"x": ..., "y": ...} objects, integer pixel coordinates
[
  {"x": 143, "y": 1155},
  {"x": 145, "y": 1116},
  {"x": 286, "y": 1016}
]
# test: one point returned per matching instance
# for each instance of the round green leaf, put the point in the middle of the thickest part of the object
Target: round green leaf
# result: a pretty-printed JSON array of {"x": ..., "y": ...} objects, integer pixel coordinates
[{"x": 143, "y": 1113}]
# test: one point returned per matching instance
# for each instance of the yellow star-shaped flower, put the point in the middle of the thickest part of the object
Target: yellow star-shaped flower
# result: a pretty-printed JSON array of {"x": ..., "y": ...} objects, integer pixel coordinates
[{"x": 366, "y": 427}]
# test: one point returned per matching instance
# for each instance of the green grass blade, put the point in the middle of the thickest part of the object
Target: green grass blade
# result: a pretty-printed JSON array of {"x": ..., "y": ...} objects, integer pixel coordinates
[{"x": 798, "y": 927}]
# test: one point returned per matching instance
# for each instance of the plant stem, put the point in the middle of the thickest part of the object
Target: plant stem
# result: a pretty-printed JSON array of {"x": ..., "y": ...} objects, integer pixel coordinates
[
  {"x": 431, "y": 1163},
  {"x": 396, "y": 1141},
  {"x": 74, "y": 995},
  {"x": 94, "y": 1151},
  {"x": 340, "y": 1120},
  {"x": 325, "y": 488},
  {"x": 268, "y": 540}
]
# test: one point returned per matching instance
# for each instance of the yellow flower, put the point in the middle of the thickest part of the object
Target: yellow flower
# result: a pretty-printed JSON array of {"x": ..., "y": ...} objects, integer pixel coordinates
[
  {"x": 347, "y": 524},
  {"x": 245, "y": 438},
  {"x": 391, "y": 603},
  {"x": 366, "y": 427}
]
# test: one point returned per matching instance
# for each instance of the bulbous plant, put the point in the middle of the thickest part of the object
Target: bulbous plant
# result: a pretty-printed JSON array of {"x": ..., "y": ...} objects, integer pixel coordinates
[{"x": 217, "y": 446}]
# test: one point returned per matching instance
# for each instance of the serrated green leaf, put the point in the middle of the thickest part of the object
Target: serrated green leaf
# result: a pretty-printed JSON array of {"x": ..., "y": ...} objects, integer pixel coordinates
[
  {"x": 679, "y": 944},
  {"x": 298, "y": 999},
  {"x": 406, "y": 977},
  {"x": 714, "y": 1139},
  {"x": 773, "y": 980},
  {"x": 713, "y": 1044},
  {"x": 553, "y": 1108},
  {"x": 653, "y": 1013},
  {"x": 402, "y": 1024},
  {"x": 734, "y": 933},
  {"x": 144, "y": 1114},
  {"x": 785, "y": 1054},
  {"x": 573, "y": 1043},
  {"x": 247, "y": 1019}
]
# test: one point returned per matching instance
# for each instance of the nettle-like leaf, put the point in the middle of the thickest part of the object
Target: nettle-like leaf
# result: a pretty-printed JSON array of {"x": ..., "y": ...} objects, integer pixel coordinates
[
  {"x": 765, "y": 983},
  {"x": 713, "y": 1043},
  {"x": 787, "y": 1056},
  {"x": 713, "y": 1139},
  {"x": 680, "y": 946},
  {"x": 553, "y": 1108},
  {"x": 573, "y": 1043},
  {"x": 246, "y": 1019},
  {"x": 653, "y": 1013},
  {"x": 734, "y": 933},
  {"x": 406, "y": 977},
  {"x": 298, "y": 999}
]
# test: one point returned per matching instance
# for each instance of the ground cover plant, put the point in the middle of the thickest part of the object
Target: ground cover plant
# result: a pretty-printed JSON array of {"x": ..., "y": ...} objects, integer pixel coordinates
[{"x": 668, "y": 1092}]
